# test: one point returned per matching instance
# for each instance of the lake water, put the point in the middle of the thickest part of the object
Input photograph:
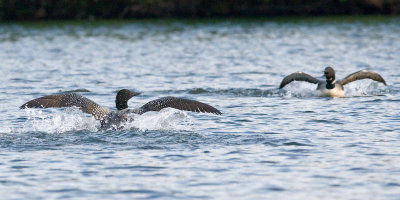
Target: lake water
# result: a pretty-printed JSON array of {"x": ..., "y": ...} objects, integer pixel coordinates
[{"x": 268, "y": 144}]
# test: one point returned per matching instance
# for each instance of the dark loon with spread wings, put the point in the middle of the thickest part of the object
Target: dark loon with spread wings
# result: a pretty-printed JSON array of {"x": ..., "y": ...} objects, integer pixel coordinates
[
  {"x": 331, "y": 87},
  {"x": 108, "y": 117}
]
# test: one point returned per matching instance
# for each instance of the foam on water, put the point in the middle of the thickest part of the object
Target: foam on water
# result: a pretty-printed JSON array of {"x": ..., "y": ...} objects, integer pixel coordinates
[
  {"x": 72, "y": 119},
  {"x": 365, "y": 88},
  {"x": 169, "y": 119},
  {"x": 166, "y": 119},
  {"x": 58, "y": 121}
]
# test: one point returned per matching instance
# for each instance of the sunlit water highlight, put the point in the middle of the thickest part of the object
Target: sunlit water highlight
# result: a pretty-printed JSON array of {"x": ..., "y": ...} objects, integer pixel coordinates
[{"x": 268, "y": 144}]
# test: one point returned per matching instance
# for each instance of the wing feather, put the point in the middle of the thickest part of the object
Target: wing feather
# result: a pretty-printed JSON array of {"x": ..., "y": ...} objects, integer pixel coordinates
[
  {"x": 298, "y": 76},
  {"x": 363, "y": 74},
  {"x": 68, "y": 100},
  {"x": 177, "y": 103}
]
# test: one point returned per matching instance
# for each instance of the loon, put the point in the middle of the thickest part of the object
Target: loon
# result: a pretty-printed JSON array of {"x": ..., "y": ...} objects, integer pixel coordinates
[
  {"x": 331, "y": 87},
  {"x": 108, "y": 117}
]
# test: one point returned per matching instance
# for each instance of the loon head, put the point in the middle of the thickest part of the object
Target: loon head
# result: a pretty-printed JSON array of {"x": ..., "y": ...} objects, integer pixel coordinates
[
  {"x": 329, "y": 74},
  {"x": 121, "y": 100}
]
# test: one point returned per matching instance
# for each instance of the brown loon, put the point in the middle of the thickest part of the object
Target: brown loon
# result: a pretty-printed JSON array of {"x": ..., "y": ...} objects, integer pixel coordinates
[
  {"x": 108, "y": 117},
  {"x": 330, "y": 87}
]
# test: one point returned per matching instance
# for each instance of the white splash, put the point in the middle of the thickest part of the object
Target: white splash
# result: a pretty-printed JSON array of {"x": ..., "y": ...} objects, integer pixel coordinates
[
  {"x": 166, "y": 119},
  {"x": 58, "y": 121},
  {"x": 301, "y": 90},
  {"x": 72, "y": 119},
  {"x": 355, "y": 89},
  {"x": 364, "y": 88}
]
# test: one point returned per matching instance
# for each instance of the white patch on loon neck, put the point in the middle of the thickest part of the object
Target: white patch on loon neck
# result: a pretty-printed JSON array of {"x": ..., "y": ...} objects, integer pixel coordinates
[{"x": 333, "y": 82}]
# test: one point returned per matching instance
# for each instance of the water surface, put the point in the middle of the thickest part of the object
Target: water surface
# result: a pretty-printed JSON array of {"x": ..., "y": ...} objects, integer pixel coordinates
[{"x": 269, "y": 143}]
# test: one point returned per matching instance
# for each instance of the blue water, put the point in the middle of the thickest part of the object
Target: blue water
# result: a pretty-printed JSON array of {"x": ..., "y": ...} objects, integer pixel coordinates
[{"x": 268, "y": 144}]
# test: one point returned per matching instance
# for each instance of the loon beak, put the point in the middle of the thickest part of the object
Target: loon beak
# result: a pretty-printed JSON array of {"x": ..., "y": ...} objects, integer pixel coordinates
[{"x": 135, "y": 93}]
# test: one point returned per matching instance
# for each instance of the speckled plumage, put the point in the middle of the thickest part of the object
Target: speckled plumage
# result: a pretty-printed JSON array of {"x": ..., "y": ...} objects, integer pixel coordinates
[{"x": 108, "y": 117}]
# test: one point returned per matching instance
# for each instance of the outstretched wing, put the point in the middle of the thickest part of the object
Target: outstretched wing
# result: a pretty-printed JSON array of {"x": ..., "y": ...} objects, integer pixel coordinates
[
  {"x": 177, "y": 103},
  {"x": 298, "y": 76},
  {"x": 363, "y": 74},
  {"x": 68, "y": 100}
]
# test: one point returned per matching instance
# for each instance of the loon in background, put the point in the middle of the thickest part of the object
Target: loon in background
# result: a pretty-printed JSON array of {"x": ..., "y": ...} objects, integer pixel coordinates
[
  {"x": 108, "y": 117},
  {"x": 331, "y": 87}
]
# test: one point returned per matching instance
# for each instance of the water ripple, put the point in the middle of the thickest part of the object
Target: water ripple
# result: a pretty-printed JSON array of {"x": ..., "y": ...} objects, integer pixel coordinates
[{"x": 269, "y": 143}]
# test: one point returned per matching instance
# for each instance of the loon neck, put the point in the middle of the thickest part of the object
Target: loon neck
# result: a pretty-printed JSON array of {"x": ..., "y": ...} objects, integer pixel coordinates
[
  {"x": 121, "y": 100},
  {"x": 330, "y": 84},
  {"x": 121, "y": 104}
]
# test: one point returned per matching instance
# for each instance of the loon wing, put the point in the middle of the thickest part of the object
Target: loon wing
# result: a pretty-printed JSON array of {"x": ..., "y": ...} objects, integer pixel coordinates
[
  {"x": 68, "y": 100},
  {"x": 177, "y": 103},
  {"x": 363, "y": 74},
  {"x": 298, "y": 76}
]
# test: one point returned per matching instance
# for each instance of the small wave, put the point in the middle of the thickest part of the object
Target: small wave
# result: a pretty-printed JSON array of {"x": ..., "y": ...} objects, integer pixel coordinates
[
  {"x": 77, "y": 90},
  {"x": 245, "y": 92},
  {"x": 296, "y": 89},
  {"x": 6, "y": 130},
  {"x": 242, "y": 92}
]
